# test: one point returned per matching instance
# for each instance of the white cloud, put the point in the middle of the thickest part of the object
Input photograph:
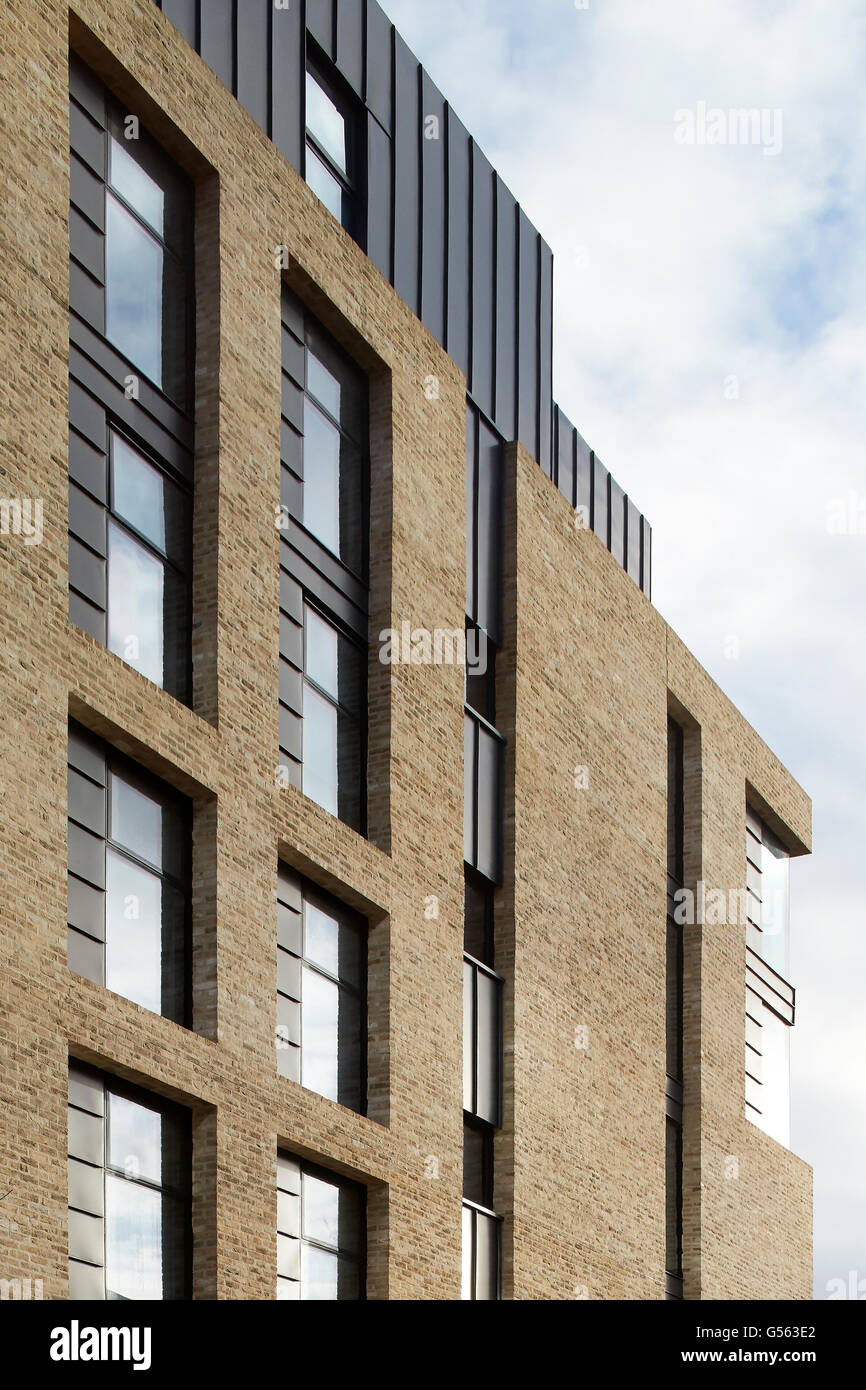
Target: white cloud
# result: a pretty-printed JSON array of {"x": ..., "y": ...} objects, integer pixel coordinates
[{"x": 706, "y": 263}]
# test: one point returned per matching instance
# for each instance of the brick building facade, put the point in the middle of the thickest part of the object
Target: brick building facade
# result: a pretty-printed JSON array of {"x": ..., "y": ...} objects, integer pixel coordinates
[{"x": 522, "y": 902}]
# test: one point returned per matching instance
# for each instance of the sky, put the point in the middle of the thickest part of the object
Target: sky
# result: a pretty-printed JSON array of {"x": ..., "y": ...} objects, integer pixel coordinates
[{"x": 710, "y": 345}]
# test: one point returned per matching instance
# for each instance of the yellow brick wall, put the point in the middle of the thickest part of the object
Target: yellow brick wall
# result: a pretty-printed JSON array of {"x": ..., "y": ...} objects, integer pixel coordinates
[{"x": 585, "y": 674}]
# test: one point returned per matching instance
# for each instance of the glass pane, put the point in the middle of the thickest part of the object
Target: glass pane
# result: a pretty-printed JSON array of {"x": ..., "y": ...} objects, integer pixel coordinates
[
  {"x": 486, "y": 1257},
  {"x": 351, "y": 510},
  {"x": 776, "y": 1074},
  {"x": 324, "y": 184},
  {"x": 477, "y": 913},
  {"x": 322, "y": 938},
  {"x": 320, "y": 1008},
  {"x": 133, "y": 290},
  {"x": 489, "y": 802},
  {"x": 326, "y": 122},
  {"x": 673, "y": 1178},
  {"x": 133, "y": 1240},
  {"x": 321, "y": 477},
  {"x": 136, "y": 186},
  {"x": 466, "y": 1280},
  {"x": 468, "y": 1037},
  {"x": 337, "y": 382},
  {"x": 470, "y": 740},
  {"x": 134, "y": 1138},
  {"x": 135, "y": 604},
  {"x": 774, "y": 906},
  {"x": 320, "y": 662},
  {"x": 476, "y": 1166},
  {"x": 319, "y": 1274},
  {"x": 136, "y": 820},
  {"x": 323, "y": 384},
  {"x": 487, "y": 1098},
  {"x": 133, "y": 932},
  {"x": 319, "y": 773},
  {"x": 138, "y": 492},
  {"x": 321, "y": 1202}
]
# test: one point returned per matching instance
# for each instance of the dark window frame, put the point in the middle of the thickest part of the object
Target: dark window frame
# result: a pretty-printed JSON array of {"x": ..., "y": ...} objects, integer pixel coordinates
[
  {"x": 496, "y": 1222},
  {"x": 477, "y": 967},
  {"x": 358, "y": 721},
  {"x": 340, "y": 1181},
  {"x": 318, "y": 897},
  {"x": 115, "y": 761},
  {"x": 325, "y": 74},
  {"x": 171, "y": 1110},
  {"x": 312, "y": 575},
  {"x": 97, "y": 363}
]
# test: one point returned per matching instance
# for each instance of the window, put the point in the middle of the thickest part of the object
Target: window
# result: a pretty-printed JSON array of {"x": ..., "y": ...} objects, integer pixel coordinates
[
  {"x": 131, "y": 361},
  {"x": 320, "y": 1233},
  {"x": 483, "y": 757},
  {"x": 483, "y": 814},
  {"x": 324, "y": 558},
  {"x": 321, "y": 988},
  {"x": 484, "y": 525},
  {"x": 674, "y": 1208},
  {"x": 478, "y": 918},
  {"x": 332, "y": 734},
  {"x": 148, "y": 254},
  {"x": 129, "y": 846},
  {"x": 770, "y": 999},
  {"x": 129, "y": 1191},
  {"x": 674, "y": 1017},
  {"x": 481, "y": 1225},
  {"x": 333, "y": 150},
  {"x": 482, "y": 1041},
  {"x": 480, "y": 673},
  {"x": 482, "y": 1090}
]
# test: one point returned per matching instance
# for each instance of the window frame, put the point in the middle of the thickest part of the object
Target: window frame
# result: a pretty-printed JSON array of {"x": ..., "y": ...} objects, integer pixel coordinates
[
  {"x": 181, "y": 1117},
  {"x": 326, "y": 76},
  {"x": 357, "y": 722},
  {"x": 342, "y": 1183},
  {"x": 476, "y": 1211},
  {"x": 290, "y": 882},
  {"x": 184, "y": 574},
  {"x": 115, "y": 761}
]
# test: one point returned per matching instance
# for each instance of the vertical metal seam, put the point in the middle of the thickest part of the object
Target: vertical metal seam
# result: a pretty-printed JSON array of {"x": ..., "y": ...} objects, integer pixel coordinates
[
  {"x": 538, "y": 352},
  {"x": 515, "y": 423},
  {"x": 446, "y": 245},
  {"x": 419, "y": 136},
  {"x": 494, "y": 288},
  {"x": 471, "y": 269},
  {"x": 393, "y": 148}
]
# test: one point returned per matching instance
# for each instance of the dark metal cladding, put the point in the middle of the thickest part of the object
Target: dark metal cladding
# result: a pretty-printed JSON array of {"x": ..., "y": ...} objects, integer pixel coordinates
[
  {"x": 564, "y": 437},
  {"x": 287, "y": 84},
  {"x": 617, "y": 522},
  {"x": 253, "y": 67},
  {"x": 506, "y": 311},
  {"x": 351, "y": 43},
  {"x": 217, "y": 38},
  {"x": 407, "y": 144},
  {"x": 380, "y": 54},
  {"x": 380, "y": 221},
  {"x": 483, "y": 282},
  {"x": 184, "y": 16},
  {"x": 441, "y": 226},
  {"x": 433, "y": 202},
  {"x": 320, "y": 23},
  {"x": 528, "y": 334},
  {"x": 457, "y": 339},
  {"x": 545, "y": 358}
]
